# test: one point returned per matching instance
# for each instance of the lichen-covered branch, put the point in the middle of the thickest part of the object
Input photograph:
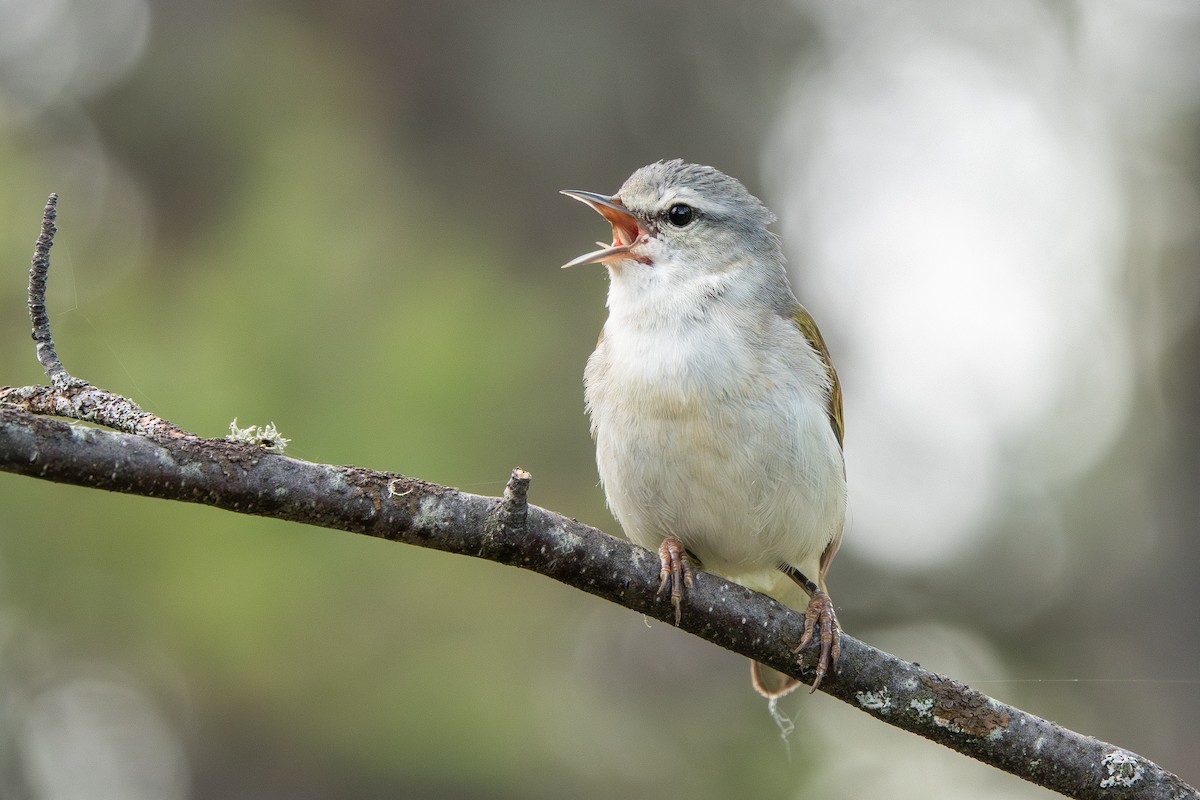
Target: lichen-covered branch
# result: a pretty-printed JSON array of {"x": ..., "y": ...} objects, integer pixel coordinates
[
  {"x": 148, "y": 456},
  {"x": 508, "y": 530}
]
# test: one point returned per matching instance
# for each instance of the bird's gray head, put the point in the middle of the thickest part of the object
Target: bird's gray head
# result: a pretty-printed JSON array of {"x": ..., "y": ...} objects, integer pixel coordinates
[{"x": 675, "y": 223}]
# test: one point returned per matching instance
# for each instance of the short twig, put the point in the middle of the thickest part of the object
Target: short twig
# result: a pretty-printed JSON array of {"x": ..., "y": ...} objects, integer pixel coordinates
[
  {"x": 68, "y": 396},
  {"x": 515, "y": 507},
  {"x": 39, "y": 269}
]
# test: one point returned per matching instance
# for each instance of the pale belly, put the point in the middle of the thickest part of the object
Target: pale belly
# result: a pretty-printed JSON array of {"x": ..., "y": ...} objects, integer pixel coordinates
[{"x": 750, "y": 484}]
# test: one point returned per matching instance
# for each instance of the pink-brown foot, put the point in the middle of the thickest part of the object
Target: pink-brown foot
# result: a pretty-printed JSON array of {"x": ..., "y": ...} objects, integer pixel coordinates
[
  {"x": 820, "y": 616},
  {"x": 676, "y": 572}
]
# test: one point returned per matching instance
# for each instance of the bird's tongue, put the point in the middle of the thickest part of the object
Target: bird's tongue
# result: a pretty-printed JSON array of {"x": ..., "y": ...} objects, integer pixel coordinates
[{"x": 625, "y": 228}]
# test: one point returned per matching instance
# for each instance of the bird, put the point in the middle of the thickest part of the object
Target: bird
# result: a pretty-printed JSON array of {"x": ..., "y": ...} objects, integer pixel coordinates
[{"x": 713, "y": 402}]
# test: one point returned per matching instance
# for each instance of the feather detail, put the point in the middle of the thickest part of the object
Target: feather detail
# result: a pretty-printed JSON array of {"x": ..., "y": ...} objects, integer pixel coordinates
[{"x": 808, "y": 327}]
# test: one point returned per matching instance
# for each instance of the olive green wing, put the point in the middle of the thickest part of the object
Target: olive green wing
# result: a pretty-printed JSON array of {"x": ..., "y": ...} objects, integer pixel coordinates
[{"x": 808, "y": 327}]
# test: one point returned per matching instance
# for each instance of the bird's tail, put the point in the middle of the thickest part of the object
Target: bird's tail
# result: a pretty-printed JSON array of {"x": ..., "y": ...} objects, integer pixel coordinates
[{"x": 771, "y": 683}]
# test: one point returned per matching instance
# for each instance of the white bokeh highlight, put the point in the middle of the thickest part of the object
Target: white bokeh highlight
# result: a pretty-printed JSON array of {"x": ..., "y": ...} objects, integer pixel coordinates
[
  {"x": 954, "y": 208},
  {"x": 56, "y": 52}
]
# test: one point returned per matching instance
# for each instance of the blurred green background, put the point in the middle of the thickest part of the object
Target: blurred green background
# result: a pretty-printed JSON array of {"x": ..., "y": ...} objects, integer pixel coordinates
[{"x": 343, "y": 218}]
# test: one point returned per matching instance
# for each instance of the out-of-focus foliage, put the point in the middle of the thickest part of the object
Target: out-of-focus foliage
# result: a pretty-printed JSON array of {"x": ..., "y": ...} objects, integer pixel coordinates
[{"x": 343, "y": 218}]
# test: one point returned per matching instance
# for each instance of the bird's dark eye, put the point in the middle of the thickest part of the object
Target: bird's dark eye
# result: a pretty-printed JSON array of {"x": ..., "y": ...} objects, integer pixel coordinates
[{"x": 680, "y": 215}]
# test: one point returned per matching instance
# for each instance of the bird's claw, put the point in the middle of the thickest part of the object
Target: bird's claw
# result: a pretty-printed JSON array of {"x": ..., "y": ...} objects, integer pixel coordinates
[
  {"x": 676, "y": 572},
  {"x": 820, "y": 615}
]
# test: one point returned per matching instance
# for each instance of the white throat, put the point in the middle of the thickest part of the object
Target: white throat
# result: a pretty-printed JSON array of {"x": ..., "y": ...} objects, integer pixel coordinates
[{"x": 670, "y": 294}]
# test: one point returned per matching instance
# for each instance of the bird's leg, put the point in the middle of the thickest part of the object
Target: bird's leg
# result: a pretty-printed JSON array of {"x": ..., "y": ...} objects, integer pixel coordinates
[
  {"x": 819, "y": 614},
  {"x": 676, "y": 571}
]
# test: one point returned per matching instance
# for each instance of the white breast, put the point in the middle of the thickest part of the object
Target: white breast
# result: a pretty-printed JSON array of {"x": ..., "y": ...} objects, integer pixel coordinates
[{"x": 715, "y": 431}]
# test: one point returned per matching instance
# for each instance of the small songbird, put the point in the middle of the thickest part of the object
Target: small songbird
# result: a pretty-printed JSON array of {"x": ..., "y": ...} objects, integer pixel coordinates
[{"x": 715, "y": 408}]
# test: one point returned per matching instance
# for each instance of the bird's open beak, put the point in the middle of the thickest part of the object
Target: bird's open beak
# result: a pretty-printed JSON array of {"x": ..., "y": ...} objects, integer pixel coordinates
[{"x": 628, "y": 233}]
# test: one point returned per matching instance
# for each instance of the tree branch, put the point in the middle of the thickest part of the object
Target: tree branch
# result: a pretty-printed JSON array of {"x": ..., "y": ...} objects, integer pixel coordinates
[{"x": 151, "y": 457}]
